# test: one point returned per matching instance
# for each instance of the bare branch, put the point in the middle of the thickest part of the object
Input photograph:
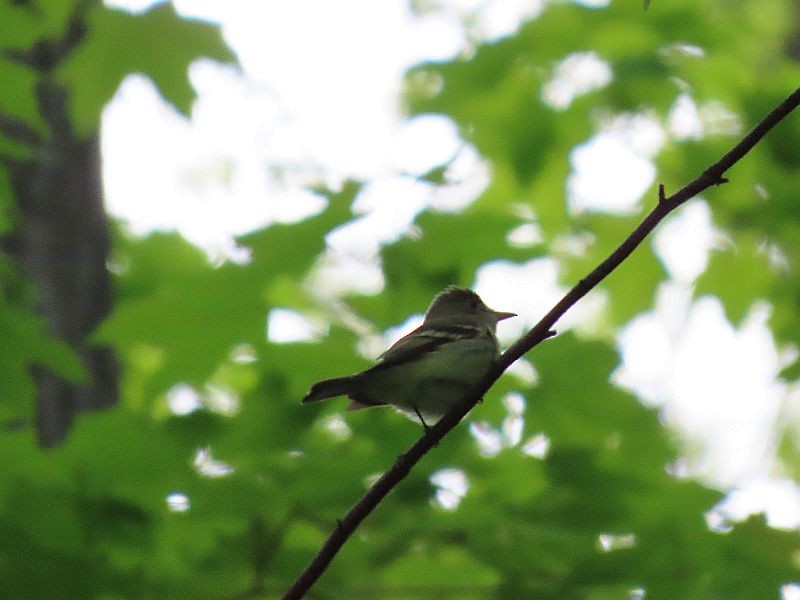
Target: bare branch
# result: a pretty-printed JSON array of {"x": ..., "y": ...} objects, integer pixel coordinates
[{"x": 541, "y": 331}]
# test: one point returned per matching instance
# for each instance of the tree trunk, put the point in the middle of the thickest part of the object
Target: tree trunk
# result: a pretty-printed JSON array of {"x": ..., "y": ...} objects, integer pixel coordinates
[{"x": 61, "y": 241}]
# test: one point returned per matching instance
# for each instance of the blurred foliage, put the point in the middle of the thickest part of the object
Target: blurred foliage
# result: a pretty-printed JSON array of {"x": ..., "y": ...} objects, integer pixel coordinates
[
  {"x": 157, "y": 43},
  {"x": 598, "y": 516}
]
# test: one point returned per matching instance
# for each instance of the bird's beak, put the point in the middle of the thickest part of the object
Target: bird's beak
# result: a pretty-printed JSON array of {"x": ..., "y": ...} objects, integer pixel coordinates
[{"x": 503, "y": 315}]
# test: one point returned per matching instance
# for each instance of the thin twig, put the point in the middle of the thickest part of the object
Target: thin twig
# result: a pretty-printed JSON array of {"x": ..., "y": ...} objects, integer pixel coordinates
[{"x": 541, "y": 331}]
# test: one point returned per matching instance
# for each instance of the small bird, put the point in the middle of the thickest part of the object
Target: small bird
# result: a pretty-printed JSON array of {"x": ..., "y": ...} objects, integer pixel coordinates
[{"x": 426, "y": 372}]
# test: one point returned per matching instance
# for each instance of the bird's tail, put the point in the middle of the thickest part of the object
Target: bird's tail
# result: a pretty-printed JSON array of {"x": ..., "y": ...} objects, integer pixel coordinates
[{"x": 330, "y": 388}]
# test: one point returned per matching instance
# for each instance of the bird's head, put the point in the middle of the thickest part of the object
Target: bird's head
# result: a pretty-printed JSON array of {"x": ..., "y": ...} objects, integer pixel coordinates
[{"x": 457, "y": 306}]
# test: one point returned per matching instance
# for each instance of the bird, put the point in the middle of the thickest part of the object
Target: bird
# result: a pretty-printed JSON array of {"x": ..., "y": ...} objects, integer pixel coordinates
[{"x": 429, "y": 370}]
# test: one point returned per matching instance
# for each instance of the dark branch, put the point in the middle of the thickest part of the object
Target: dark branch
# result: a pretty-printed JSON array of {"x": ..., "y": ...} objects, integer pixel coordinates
[
  {"x": 46, "y": 55},
  {"x": 541, "y": 331}
]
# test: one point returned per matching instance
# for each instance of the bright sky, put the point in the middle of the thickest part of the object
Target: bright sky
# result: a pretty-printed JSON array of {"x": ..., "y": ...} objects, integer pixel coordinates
[{"x": 317, "y": 98}]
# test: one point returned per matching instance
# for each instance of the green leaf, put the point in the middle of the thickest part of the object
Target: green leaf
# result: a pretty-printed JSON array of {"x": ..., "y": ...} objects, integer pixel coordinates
[
  {"x": 29, "y": 344},
  {"x": 632, "y": 286},
  {"x": 576, "y": 406},
  {"x": 171, "y": 299},
  {"x": 18, "y": 99},
  {"x": 158, "y": 43},
  {"x": 738, "y": 275},
  {"x": 25, "y": 23}
]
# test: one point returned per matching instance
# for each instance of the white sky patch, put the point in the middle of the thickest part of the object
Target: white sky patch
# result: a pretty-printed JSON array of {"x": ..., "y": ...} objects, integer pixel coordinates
[
  {"x": 576, "y": 244},
  {"x": 342, "y": 101},
  {"x": 452, "y": 486},
  {"x": 338, "y": 428},
  {"x": 221, "y": 399},
  {"x": 718, "y": 521},
  {"x": 488, "y": 439},
  {"x": 511, "y": 430},
  {"x": 684, "y": 241},
  {"x": 287, "y": 326},
  {"x": 207, "y": 466},
  {"x": 388, "y": 206},
  {"x": 258, "y": 137},
  {"x": 790, "y": 591},
  {"x": 466, "y": 177},
  {"x": 439, "y": 37},
  {"x": 337, "y": 120},
  {"x": 718, "y": 119},
  {"x": 536, "y": 446},
  {"x": 337, "y": 273},
  {"x": 779, "y": 498},
  {"x": 641, "y": 131},
  {"x": 608, "y": 542},
  {"x": 487, "y": 20},
  {"x": 525, "y": 371},
  {"x": 501, "y": 18},
  {"x": 492, "y": 440},
  {"x": 612, "y": 170},
  {"x": 462, "y": 7},
  {"x": 514, "y": 403},
  {"x": 529, "y": 289},
  {"x": 514, "y": 422},
  {"x": 576, "y": 75},
  {"x": 681, "y": 50},
  {"x": 607, "y": 176},
  {"x": 134, "y": 6},
  {"x": 178, "y": 502},
  {"x": 683, "y": 120},
  {"x": 593, "y": 3},
  {"x": 425, "y": 142},
  {"x": 525, "y": 236},
  {"x": 688, "y": 121},
  {"x": 183, "y": 399},
  {"x": 717, "y": 384},
  {"x": 725, "y": 390},
  {"x": 646, "y": 348},
  {"x": 243, "y": 354}
]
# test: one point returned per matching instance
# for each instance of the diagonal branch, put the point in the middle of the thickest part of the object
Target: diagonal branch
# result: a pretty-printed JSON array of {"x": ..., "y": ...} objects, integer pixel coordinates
[{"x": 541, "y": 331}]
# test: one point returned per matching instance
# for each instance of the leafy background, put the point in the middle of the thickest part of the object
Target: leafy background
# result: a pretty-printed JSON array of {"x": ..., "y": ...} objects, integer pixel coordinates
[{"x": 232, "y": 499}]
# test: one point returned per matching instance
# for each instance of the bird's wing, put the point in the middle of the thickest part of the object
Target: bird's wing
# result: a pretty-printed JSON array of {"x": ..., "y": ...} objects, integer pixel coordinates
[{"x": 419, "y": 342}]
